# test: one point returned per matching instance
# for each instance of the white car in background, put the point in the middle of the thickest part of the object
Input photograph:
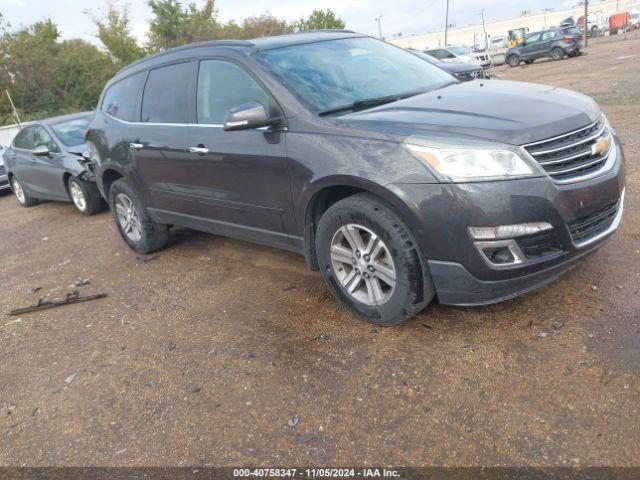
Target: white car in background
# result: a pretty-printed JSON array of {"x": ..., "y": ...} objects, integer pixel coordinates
[
  {"x": 458, "y": 53},
  {"x": 4, "y": 179}
]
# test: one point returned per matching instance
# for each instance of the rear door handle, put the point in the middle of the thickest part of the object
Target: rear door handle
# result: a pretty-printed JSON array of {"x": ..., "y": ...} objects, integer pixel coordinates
[
  {"x": 199, "y": 150},
  {"x": 136, "y": 146}
]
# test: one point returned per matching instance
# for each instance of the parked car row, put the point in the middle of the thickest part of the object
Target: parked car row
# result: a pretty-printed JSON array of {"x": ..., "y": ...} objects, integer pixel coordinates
[
  {"x": 462, "y": 71},
  {"x": 393, "y": 179}
]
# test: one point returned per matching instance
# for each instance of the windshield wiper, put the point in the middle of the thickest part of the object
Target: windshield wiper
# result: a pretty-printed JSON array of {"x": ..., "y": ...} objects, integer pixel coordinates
[{"x": 369, "y": 103}]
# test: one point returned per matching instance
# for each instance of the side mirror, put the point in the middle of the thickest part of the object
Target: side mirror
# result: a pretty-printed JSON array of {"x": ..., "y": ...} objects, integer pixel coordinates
[
  {"x": 248, "y": 116},
  {"x": 41, "y": 151}
]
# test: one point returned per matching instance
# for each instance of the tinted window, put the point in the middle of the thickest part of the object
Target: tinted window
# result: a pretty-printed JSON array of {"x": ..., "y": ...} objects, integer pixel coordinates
[
  {"x": 548, "y": 36},
  {"x": 222, "y": 86},
  {"x": 533, "y": 38},
  {"x": 72, "y": 132},
  {"x": 42, "y": 137},
  {"x": 121, "y": 98},
  {"x": 24, "y": 139},
  {"x": 337, "y": 73},
  {"x": 166, "y": 94}
]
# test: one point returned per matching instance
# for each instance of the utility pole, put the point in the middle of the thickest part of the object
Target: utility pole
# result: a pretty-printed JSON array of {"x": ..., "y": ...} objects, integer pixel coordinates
[
  {"x": 446, "y": 24},
  {"x": 378, "y": 19},
  {"x": 486, "y": 40},
  {"x": 586, "y": 22}
]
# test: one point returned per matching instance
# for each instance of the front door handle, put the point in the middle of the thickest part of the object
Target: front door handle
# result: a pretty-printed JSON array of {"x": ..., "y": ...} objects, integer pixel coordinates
[
  {"x": 136, "y": 146},
  {"x": 199, "y": 150}
]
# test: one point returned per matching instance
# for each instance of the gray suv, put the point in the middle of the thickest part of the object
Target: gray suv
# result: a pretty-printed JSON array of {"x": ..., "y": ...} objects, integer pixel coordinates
[{"x": 393, "y": 179}]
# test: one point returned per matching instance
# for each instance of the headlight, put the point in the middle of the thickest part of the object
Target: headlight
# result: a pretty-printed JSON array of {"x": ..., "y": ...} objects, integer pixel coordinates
[{"x": 463, "y": 165}]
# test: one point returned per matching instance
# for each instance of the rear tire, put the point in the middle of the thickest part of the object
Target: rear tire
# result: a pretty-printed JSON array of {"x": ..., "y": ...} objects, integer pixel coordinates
[
  {"x": 557, "y": 53},
  {"x": 371, "y": 262},
  {"x": 513, "y": 60},
  {"x": 22, "y": 196},
  {"x": 85, "y": 196},
  {"x": 134, "y": 223}
]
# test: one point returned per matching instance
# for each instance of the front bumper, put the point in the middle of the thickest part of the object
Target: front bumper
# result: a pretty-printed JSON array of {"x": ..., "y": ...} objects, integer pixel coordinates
[
  {"x": 443, "y": 212},
  {"x": 4, "y": 179}
]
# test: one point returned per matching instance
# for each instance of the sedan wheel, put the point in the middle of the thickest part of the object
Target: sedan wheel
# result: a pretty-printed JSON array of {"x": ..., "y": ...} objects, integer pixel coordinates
[
  {"x": 17, "y": 189},
  {"x": 128, "y": 217},
  {"x": 363, "y": 264},
  {"x": 78, "y": 197}
]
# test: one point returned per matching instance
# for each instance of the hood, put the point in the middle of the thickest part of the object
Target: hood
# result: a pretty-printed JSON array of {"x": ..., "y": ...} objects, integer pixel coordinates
[
  {"x": 459, "y": 67},
  {"x": 501, "y": 111}
]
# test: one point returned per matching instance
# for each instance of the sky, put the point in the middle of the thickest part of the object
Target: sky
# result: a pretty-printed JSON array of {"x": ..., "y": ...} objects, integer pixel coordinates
[{"x": 399, "y": 16}]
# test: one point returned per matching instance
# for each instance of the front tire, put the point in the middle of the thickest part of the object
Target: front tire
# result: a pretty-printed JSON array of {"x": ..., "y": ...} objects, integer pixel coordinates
[
  {"x": 371, "y": 262},
  {"x": 134, "y": 223},
  {"x": 22, "y": 196},
  {"x": 513, "y": 60},
  {"x": 85, "y": 196}
]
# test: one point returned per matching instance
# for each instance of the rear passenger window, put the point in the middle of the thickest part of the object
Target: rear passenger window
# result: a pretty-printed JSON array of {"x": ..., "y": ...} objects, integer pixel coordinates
[
  {"x": 548, "y": 36},
  {"x": 24, "y": 139},
  {"x": 222, "y": 86},
  {"x": 166, "y": 94},
  {"x": 122, "y": 97}
]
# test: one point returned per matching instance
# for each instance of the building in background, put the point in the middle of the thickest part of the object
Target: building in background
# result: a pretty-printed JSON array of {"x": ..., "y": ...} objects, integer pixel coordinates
[{"x": 500, "y": 28}]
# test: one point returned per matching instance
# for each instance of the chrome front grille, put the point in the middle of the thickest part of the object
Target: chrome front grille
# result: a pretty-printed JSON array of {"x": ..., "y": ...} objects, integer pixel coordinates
[
  {"x": 2, "y": 171},
  {"x": 574, "y": 154}
]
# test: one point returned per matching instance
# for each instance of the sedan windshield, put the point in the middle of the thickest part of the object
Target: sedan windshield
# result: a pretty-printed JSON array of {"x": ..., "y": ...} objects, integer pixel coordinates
[
  {"x": 459, "y": 50},
  {"x": 334, "y": 74},
  {"x": 71, "y": 132}
]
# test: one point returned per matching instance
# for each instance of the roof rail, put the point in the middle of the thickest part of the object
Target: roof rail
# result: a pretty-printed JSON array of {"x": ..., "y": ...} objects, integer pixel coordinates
[{"x": 206, "y": 43}]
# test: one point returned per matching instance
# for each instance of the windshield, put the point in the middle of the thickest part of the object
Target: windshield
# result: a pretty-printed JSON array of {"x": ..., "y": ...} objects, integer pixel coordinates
[
  {"x": 71, "y": 132},
  {"x": 459, "y": 50},
  {"x": 330, "y": 74}
]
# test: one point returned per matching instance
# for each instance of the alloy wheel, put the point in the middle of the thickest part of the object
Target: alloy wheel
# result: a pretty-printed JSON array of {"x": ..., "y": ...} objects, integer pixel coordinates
[
  {"x": 128, "y": 217},
  {"x": 363, "y": 265},
  {"x": 17, "y": 189},
  {"x": 78, "y": 196}
]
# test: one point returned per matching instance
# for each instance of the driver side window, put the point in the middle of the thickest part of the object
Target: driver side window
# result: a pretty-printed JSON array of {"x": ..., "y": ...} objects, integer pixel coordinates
[
  {"x": 223, "y": 85},
  {"x": 532, "y": 39},
  {"x": 42, "y": 137}
]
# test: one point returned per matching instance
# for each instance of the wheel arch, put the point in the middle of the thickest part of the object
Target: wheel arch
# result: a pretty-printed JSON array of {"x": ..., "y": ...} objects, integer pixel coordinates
[
  {"x": 329, "y": 191},
  {"x": 109, "y": 174}
]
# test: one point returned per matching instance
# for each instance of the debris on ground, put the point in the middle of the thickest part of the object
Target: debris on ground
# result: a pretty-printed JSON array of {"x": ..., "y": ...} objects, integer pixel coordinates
[
  {"x": 542, "y": 334},
  {"x": 81, "y": 282},
  {"x": 43, "y": 304},
  {"x": 292, "y": 422},
  {"x": 35, "y": 289},
  {"x": 558, "y": 326},
  {"x": 299, "y": 439},
  {"x": 70, "y": 378},
  {"x": 290, "y": 287},
  {"x": 147, "y": 259}
]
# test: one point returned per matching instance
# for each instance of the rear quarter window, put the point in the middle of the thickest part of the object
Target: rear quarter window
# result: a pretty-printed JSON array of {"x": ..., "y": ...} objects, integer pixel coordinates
[{"x": 121, "y": 98}]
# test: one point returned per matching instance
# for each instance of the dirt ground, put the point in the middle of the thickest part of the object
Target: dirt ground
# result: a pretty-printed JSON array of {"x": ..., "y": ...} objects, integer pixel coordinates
[{"x": 219, "y": 352}]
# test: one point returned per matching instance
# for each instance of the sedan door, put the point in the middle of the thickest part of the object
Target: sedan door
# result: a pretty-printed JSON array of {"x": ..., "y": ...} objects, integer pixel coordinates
[
  {"x": 545, "y": 44},
  {"x": 18, "y": 157},
  {"x": 240, "y": 177},
  {"x": 47, "y": 175}
]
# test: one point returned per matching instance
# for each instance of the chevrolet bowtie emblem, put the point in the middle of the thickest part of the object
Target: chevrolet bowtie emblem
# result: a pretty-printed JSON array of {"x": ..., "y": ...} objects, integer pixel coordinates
[{"x": 601, "y": 146}]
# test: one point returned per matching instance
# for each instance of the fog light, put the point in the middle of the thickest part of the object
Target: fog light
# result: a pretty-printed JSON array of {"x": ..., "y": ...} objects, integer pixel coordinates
[
  {"x": 499, "y": 256},
  {"x": 508, "y": 231},
  {"x": 500, "y": 253}
]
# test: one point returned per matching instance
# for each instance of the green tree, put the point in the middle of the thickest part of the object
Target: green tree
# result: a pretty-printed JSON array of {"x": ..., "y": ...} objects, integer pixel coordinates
[
  {"x": 47, "y": 76},
  {"x": 320, "y": 20},
  {"x": 114, "y": 32},
  {"x": 172, "y": 24},
  {"x": 265, "y": 25}
]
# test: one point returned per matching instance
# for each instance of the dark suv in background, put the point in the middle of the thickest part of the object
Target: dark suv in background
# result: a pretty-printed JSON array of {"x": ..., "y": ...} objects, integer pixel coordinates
[
  {"x": 392, "y": 178},
  {"x": 556, "y": 44}
]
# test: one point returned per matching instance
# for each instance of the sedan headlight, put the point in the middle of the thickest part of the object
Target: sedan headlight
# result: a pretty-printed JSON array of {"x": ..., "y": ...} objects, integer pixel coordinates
[{"x": 467, "y": 164}]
